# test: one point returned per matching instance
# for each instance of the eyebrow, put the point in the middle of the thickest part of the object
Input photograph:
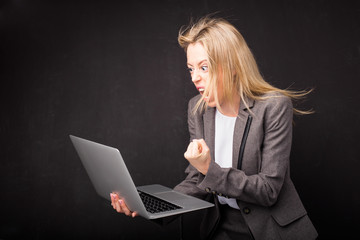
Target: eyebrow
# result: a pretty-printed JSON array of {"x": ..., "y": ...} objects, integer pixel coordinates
[{"x": 201, "y": 62}]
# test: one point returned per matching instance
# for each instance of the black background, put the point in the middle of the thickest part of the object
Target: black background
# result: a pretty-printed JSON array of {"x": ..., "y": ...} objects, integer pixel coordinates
[{"x": 112, "y": 72}]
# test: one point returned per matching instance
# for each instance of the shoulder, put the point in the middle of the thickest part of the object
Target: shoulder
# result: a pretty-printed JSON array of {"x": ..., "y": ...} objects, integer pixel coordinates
[
  {"x": 273, "y": 101},
  {"x": 191, "y": 106},
  {"x": 273, "y": 106},
  {"x": 194, "y": 100},
  {"x": 274, "y": 110}
]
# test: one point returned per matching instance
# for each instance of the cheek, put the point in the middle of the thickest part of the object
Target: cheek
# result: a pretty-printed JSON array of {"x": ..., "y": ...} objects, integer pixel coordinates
[
  {"x": 204, "y": 76},
  {"x": 220, "y": 89}
]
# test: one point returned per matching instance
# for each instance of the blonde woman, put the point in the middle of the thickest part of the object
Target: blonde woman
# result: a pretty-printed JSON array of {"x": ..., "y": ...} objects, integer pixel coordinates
[{"x": 240, "y": 140}]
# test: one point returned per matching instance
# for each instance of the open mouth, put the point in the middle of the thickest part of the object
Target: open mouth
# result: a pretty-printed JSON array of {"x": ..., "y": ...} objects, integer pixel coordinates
[{"x": 201, "y": 90}]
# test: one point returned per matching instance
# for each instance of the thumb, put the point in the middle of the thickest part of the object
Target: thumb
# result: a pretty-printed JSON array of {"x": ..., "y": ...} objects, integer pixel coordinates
[
  {"x": 202, "y": 145},
  {"x": 198, "y": 146}
]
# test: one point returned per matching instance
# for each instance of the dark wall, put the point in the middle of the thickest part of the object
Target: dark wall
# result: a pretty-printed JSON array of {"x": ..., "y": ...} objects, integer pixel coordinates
[{"x": 113, "y": 72}]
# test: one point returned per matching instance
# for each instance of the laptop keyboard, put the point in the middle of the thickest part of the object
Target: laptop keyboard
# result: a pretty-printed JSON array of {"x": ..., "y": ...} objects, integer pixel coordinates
[{"x": 156, "y": 205}]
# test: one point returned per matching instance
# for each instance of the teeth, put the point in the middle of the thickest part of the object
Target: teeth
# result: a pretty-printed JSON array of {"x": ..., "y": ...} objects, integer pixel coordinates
[{"x": 201, "y": 89}]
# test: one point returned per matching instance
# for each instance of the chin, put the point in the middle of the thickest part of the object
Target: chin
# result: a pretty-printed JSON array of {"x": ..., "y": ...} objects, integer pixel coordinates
[{"x": 210, "y": 102}]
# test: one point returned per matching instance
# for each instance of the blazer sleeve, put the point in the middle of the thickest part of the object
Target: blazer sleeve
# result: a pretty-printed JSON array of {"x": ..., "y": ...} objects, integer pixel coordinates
[{"x": 264, "y": 187}]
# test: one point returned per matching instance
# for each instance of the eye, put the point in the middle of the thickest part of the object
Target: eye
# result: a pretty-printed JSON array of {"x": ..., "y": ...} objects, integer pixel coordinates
[
  {"x": 190, "y": 70},
  {"x": 204, "y": 68}
]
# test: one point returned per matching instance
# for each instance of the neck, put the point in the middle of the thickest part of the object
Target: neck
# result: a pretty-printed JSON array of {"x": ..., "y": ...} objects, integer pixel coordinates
[{"x": 231, "y": 108}]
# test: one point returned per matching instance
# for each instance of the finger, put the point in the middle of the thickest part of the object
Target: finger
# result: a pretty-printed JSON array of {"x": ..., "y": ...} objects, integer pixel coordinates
[
  {"x": 112, "y": 200},
  {"x": 118, "y": 207},
  {"x": 190, "y": 146},
  {"x": 186, "y": 155},
  {"x": 115, "y": 197},
  {"x": 198, "y": 147},
  {"x": 203, "y": 146},
  {"x": 195, "y": 148},
  {"x": 124, "y": 208},
  {"x": 134, "y": 214},
  {"x": 189, "y": 151},
  {"x": 202, "y": 142},
  {"x": 117, "y": 204}
]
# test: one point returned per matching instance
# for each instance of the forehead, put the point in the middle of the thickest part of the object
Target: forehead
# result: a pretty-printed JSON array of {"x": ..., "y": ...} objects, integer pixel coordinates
[{"x": 196, "y": 53}]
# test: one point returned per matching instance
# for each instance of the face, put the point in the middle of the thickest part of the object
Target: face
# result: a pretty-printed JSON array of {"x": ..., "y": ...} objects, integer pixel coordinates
[{"x": 197, "y": 61}]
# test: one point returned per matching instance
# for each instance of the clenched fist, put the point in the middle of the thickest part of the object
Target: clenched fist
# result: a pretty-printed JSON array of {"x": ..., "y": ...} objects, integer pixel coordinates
[{"x": 198, "y": 155}]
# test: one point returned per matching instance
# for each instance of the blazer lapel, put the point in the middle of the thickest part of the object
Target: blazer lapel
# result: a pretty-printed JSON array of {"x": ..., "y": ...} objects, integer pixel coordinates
[
  {"x": 209, "y": 130},
  {"x": 239, "y": 128}
]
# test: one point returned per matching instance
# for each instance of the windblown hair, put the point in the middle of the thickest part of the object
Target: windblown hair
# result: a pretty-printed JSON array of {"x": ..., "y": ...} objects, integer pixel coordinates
[{"x": 230, "y": 59}]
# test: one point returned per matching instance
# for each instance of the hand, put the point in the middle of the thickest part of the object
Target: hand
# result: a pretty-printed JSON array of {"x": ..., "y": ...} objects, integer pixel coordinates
[
  {"x": 120, "y": 206},
  {"x": 198, "y": 154}
]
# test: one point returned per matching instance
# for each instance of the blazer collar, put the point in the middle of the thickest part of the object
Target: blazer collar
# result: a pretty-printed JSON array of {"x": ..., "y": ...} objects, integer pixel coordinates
[
  {"x": 242, "y": 109},
  {"x": 209, "y": 128}
]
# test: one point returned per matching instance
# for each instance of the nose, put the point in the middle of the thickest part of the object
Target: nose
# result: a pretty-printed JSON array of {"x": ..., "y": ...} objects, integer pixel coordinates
[{"x": 195, "y": 76}]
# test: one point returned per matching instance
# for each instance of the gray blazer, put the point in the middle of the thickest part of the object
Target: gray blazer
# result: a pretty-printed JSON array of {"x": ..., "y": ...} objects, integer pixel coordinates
[{"x": 264, "y": 191}]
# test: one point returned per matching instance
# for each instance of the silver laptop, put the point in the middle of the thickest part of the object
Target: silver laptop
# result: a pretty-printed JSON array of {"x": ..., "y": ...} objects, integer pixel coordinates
[{"x": 108, "y": 173}]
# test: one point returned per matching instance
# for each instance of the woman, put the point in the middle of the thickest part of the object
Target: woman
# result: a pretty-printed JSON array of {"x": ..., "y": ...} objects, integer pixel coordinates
[{"x": 240, "y": 128}]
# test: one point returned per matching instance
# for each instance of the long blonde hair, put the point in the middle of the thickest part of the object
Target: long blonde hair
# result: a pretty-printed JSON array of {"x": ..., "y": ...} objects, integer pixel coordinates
[{"x": 230, "y": 56}]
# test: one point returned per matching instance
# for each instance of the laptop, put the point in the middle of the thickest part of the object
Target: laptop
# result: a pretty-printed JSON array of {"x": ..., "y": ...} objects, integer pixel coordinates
[{"x": 108, "y": 173}]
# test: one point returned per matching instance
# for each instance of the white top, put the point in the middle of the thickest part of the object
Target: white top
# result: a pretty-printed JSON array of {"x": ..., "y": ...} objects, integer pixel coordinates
[{"x": 224, "y": 132}]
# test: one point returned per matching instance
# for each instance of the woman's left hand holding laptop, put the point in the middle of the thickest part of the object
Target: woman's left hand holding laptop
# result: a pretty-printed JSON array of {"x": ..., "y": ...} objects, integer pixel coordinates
[{"x": 120, "y": 206}]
